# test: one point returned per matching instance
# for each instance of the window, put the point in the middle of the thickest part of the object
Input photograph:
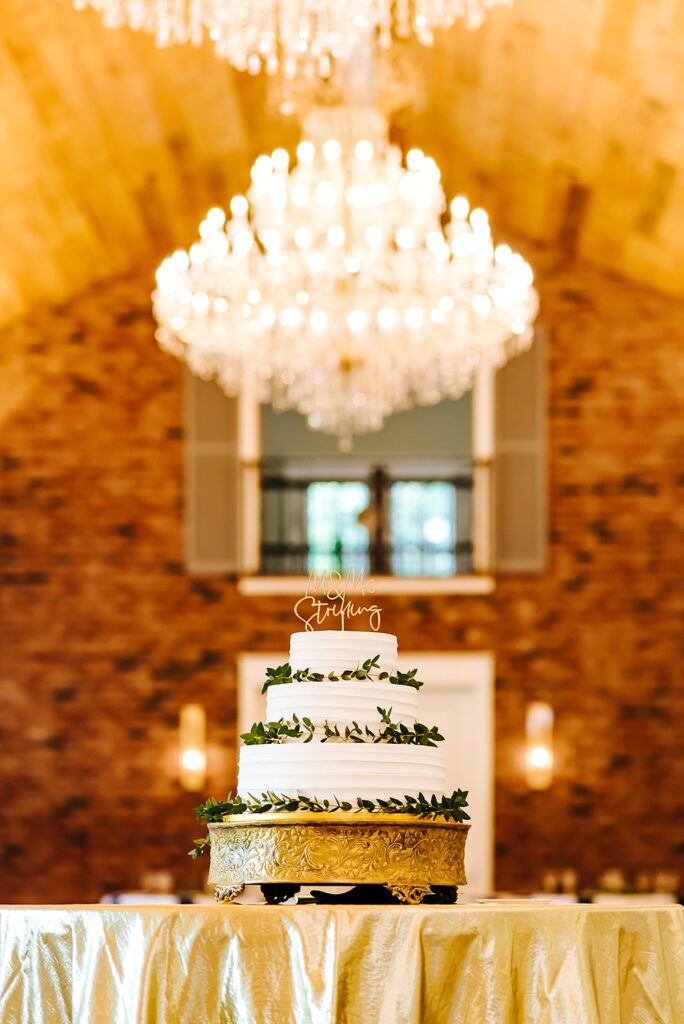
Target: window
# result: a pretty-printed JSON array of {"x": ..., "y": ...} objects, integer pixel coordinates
[
  {"x": 450, "y": 491},
  {"x": 378, "y": 519}
]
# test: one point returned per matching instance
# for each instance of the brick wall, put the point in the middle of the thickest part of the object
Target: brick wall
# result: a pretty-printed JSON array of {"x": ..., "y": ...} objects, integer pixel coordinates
[{"x": 104, "y": 636}]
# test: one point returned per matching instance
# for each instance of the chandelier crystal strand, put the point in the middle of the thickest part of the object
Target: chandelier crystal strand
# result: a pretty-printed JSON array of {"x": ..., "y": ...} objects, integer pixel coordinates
[
  {"x": 333, "y": 288},
  {"x": 288, "y": 35}
]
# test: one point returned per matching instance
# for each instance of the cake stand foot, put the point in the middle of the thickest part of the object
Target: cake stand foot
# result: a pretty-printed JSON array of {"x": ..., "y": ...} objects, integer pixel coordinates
[
  {"x": 413, "y": 894},
  {"x": 228, "y": 893},
  {"x": 443, "y": 894},
  {"x": 275, "y": 893},
  {"x": 372, "y": 894}
]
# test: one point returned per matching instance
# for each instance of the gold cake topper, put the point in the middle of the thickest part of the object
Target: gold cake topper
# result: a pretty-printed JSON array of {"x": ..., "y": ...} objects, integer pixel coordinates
[{"x": 327, "y": 597}]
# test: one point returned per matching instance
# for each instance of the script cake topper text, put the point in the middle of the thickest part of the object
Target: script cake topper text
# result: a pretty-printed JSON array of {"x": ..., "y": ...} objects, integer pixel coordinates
[{"x": 332, "y": 596}]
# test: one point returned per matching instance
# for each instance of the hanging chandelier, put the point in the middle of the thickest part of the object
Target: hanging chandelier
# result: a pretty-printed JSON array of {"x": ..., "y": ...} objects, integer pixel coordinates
[
  {"x": 288, "y": 34},
  {"x": 334, "y": 287}
]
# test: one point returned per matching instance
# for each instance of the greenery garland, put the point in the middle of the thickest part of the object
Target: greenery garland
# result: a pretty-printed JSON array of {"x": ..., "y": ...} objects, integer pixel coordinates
[
  {"x": 368, "y": 670},
  {"x": 451, "y": 808},
  {"x": 295, "y": 728}
]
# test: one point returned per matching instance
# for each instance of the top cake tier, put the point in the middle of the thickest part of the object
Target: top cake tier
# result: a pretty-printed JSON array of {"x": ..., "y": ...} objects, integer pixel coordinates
[{"x": 330, "y": 650}]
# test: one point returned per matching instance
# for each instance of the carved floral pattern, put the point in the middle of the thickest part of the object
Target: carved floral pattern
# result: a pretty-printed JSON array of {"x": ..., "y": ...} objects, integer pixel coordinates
[{"x": 405, "y": 855}]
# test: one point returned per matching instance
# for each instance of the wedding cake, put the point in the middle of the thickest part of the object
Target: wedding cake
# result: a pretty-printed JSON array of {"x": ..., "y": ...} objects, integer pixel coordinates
[
  {"x": 342, "y": 725},
  {"x": 341, "y": 784}
]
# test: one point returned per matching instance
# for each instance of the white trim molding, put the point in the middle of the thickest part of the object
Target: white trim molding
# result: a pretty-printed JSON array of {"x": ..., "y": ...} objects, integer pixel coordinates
[{"x": 272, "y": 586}]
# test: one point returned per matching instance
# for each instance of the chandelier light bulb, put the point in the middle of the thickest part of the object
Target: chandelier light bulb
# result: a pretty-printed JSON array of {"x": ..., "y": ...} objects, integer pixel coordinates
[
  {"x": 198, "y": 254},
  {"x": 460, "y": 207},
  {"x": 337, "y": 277},
  {"x": 414, "y": 316},
  {"x": 414, "y": 159},
  {"x": 406, "y": 237},
  {"x": 216, "y": 218},
  {"x": 357, "y": 320},
  {"x": 332, "y": 149},
  {"x": 363, "y": 150},
  {"x": 387, "y": 318},
  {"x": 239, "y": 206},
  {"x": 181, "y": 260},
  {"x": 306, "y": 152},
  {"x": 280, "y": 159},
  {"x": 482, "y": 305},
  {"x": 479, "y": 221},
  {"x": 303, "y": 237}
]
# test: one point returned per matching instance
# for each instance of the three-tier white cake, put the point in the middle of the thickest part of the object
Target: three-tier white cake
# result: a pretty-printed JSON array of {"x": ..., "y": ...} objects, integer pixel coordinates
[{"x": 317, "y": 764}]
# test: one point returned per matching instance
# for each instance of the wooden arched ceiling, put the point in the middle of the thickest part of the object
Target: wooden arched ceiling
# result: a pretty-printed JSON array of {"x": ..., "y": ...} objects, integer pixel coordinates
[{"x": 565, "y": 118}]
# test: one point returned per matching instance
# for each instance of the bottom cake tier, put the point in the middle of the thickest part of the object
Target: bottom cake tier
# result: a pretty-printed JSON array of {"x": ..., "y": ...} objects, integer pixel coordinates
[{"x": 343, "y": 770}]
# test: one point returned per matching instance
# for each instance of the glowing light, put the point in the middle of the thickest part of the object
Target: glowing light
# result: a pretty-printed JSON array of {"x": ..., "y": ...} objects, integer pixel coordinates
[
  {"x": 297, "y": 37},
  {"x": 364, "y": 150},
  {"x": 194, "y": 760},
  {"x": 332, "y": 150},
  {"x": 540, "y": 757},
  {"x": 239, "y": 206},
  {"x": 336, "y": 277}
]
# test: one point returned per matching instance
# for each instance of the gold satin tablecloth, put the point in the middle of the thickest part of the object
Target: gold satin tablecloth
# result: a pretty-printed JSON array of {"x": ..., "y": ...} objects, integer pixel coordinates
[{"x": 341, "y": 965}]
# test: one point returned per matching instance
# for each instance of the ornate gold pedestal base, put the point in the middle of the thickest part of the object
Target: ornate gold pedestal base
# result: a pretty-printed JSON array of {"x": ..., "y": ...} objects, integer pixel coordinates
[
  {"x": 228, "y": 893},
  {"x": 410, "y": 893},
  {"x": 406, "y": 854}
]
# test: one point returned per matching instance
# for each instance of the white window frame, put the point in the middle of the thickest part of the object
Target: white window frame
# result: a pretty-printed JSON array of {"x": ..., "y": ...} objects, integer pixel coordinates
[{"x": 480, "y": 582}]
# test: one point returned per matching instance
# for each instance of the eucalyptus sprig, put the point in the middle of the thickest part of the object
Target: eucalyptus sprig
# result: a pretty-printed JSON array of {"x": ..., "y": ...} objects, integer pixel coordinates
[
  {"x": 276, "y": 676},
  {"x": 397, "y": 732},
  {"x": 279, "y": 732},
  {"x": 451, "y": 808},
  {"x": 295, "y": 728},
  {"x": 350, "y": 734},
  {"x": 407, "y": 679},
  {"x": 369, "y": 669}
]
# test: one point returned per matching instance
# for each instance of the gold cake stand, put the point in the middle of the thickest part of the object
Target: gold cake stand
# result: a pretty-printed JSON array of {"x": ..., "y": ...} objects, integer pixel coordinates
[{"x": 406, "y": 854}]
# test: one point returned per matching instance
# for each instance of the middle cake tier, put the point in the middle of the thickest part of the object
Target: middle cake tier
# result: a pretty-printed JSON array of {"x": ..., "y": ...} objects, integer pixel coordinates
[
  {"x": 343, "y": 770},
  {"x": 342, "y": 702}
]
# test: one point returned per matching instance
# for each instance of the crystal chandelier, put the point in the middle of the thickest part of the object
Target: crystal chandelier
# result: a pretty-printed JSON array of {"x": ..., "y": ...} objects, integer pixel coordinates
[
  {"x": 288, "y": 34},
  {"x": 335, "y": 289}
]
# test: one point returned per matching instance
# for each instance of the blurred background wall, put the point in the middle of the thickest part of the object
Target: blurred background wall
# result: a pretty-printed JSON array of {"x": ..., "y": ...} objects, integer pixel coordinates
[{"x": 105, "y": 636}]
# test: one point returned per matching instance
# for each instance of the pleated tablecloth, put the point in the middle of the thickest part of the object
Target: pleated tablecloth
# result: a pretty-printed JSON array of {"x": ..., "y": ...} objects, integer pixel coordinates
[{"x": 341, "y": 965}]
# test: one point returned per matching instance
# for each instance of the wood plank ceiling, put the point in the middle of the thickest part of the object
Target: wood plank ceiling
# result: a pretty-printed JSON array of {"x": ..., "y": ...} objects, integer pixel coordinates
[{"x": 565, "y": 118}]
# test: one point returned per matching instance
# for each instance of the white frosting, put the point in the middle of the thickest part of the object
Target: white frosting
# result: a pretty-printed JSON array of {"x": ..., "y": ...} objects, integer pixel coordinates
[
  {"x": 343, "y": 702},
  {"x": 342, "y": 770},
  {"x": 337, "y": 769},
  {"x": 331, "y": 650}
]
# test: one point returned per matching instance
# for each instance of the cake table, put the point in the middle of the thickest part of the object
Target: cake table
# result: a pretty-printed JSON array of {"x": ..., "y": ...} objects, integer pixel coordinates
[{"x": 342, "y": 965}]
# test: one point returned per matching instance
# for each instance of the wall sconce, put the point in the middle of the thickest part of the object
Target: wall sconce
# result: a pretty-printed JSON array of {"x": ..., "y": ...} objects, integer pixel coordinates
[
  {"x": 539, "y": 745},
  {"x": 192, "y": 727}
]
